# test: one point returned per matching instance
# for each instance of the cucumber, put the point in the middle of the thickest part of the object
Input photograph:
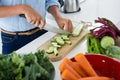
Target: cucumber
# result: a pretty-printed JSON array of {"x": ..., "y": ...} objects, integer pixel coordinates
[
  {"x": 55, "y": 44},
  {"x": 68, "y": 42},
  {"x": 77, "y": 30},
  {"x": 65, "y": 37},
  {"x": 55, "y": 51},
  {"x": 60, "y": 41},
  {"x": 107, "y": 41},
  {"x": 50, "y": 50}
]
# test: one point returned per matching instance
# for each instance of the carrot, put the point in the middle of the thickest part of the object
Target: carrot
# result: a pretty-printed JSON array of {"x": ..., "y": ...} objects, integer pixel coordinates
[
  {"x": 76, "y": 67},
  {"x": 67, "y": 75},
  {"x": 95, "y": 78},
  {"x": 61, "y": 66},
  {"x": 85, "y": 65},
  {"x": 64, "y": 66}
]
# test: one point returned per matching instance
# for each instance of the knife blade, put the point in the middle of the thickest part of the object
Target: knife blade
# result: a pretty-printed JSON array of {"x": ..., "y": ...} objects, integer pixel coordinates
[{"x": 55, "y": 29}]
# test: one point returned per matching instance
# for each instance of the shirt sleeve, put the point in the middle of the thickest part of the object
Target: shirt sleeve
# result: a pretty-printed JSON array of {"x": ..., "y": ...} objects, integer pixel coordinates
[
  {"x": 51, "y": 3},
  {"x": 0, "y": 3}
]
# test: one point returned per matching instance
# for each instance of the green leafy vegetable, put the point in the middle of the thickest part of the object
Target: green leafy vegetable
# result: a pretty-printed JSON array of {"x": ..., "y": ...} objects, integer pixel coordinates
[
  {"x": 25, "y": 67},
  {"x": 113, "y": 51}
]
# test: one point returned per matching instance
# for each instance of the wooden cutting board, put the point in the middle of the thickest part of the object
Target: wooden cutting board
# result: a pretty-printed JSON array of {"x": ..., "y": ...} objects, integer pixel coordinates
[{"x": 65, "y": 49}]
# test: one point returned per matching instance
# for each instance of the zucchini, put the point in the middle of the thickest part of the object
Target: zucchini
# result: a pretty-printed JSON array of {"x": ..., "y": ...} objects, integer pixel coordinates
[
  {"x": 65, "y": 37},
  {"x": 68, "y": 42},
  {"x": 50, "y": 49},
  {"x": 59, "y": 40},
  {"x": 77, "y": 30},
  {"x": 55, "y": 44},
  {"x": 55, "y": 51}
]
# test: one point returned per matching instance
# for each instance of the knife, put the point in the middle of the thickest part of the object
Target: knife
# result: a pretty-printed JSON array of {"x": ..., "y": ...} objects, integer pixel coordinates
[
  {"x": 54, "y": 29},
  {"x": 51, "y": 28}
]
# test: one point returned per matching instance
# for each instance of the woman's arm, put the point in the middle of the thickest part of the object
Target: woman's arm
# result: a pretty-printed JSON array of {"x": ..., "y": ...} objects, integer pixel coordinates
[
  {"x": 6, "y": 11},
  {"x": 31, "y": 15},
  {"x": 63, "y": 23},
  {"x": 54, "y": 11}
]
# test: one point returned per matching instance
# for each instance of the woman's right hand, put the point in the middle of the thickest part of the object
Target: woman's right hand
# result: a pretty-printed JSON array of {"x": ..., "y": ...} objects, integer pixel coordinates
[{"x": 33, "y": 17}]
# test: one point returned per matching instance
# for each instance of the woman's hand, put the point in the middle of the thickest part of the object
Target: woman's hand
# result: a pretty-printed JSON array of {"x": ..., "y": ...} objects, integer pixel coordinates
[
  {"x": 65, "y": 24},
  {"x": 33, "y": 17}
]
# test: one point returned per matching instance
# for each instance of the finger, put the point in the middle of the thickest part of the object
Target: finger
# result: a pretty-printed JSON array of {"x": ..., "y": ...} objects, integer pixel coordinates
[
  {"x": 32, "y": 22},
  {"x": 30, "y": 19},
  {"x": 70, "y": 26},
  {"x": 61, "y": 26},
  {"x": 37, "y": 23},
  {"x": 66, "y": 25},
  {"x": 42, "y": 24}
]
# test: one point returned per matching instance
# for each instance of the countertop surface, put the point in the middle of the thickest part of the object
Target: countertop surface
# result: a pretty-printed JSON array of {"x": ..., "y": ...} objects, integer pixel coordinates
[{"x": 90, "y": 10}]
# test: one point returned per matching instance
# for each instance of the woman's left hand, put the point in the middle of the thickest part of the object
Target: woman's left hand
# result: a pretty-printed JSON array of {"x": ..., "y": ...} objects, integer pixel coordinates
[{"x": 65, "y": 24}]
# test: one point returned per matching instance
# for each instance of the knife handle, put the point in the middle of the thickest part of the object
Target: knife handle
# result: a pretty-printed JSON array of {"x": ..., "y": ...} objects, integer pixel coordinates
[{"x": 22, "y": 15}]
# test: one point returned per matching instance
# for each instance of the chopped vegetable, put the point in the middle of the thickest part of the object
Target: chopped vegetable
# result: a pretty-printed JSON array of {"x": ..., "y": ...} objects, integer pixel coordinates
[
  {"x": 65, "y": 37},
  {"x": 50, "y": 50},
  {"x": 77, "y": 30},
  {"x": 55, "y": 51},
  {"x": 107, "y": 41},
  {"x": 68, "y": 42},
  {"x": 57, "y": 42}
]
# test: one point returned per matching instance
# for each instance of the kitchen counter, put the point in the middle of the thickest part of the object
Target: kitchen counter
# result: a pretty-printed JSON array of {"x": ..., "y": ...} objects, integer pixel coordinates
[{"x": 90, "y": 10}]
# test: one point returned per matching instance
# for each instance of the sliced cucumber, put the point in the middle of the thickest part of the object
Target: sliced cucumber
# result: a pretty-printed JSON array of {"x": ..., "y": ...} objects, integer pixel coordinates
[
  {"x": 55, "y": 44},
  {"x": 55, "y": 51},
  {"x": 77, "y": 30},
  {"x": 68, "y": 42},
  {"x": 50, "y": 50},
  {"x": 107, "y": 41},
  {"x": 65, "y": 37},
  {"x": 60, "y": 41}
]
